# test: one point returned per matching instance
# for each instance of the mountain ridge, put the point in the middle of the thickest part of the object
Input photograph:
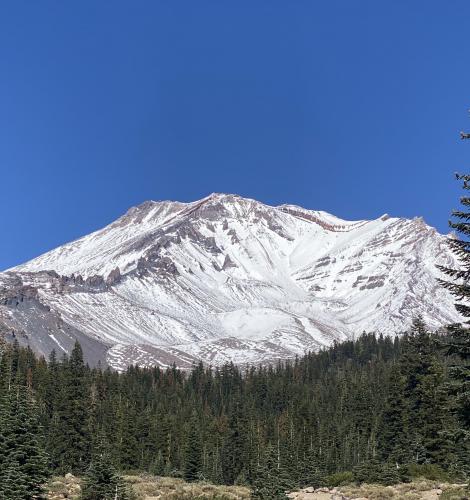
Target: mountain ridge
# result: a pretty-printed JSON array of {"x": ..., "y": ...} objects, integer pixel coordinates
[{"x": 226, "y": 278}]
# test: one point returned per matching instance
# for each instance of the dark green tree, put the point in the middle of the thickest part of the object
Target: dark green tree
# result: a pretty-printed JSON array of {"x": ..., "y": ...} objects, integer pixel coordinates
[
  {"x": 458, "y": 345},
  {"x": 268, "y": 483},
  {"x": 429, "y": 419},
  {"x": 234, "y": 451},
  {"x": 69, "y": 436},
  {"x": 374, "y": 471},
  {"x": 193, "y": 455},
  {"x": 23, "y": 461},
  {"x": 394, "y": 441},
  {"x": 311, "y": 472},
  {"x": 102, "y": 480}
]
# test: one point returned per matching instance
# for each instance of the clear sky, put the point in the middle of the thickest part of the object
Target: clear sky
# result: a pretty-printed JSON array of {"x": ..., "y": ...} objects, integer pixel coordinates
[{"x": 352, "y": 107}]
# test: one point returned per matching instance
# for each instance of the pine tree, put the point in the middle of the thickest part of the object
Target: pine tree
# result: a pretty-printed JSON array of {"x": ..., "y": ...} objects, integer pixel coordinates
[
  {"x": 459, "y": 342},
  {"x": 102, "y": 480},
  {"x": 234, "y": 451},
  {"x": 394, "y": 443},
  {"x": 14, "y": 483},
  {"x": 311, "y": 472},
  {"x": 267, "y": 483},
  {"x": 193, "y": 456},
  {"x": 459, "y": 286},
  {"x": 428, "y": 406},
  {"x": 460, "y": 278},
  {"x": 70, "y": 439},
  {"x": 373, "y": 471},
  {"x": 23, "y": 461}
]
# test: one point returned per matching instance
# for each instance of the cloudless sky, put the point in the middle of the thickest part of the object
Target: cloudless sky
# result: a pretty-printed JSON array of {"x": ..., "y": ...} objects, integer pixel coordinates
[{"x": 352, "y": 107}]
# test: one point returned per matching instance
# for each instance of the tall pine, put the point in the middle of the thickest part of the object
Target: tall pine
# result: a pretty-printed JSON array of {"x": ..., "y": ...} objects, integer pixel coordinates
[
  {"x": 102, "y": 480},
  {"x": 193, "y": 453},
  {"x": 429, "y": 418},
  {"x": 70, "y": 440},
  {"x": 458, "y": 283},
  {"x": 394, "y": 442},
  {"x": 24, "y": 467}
]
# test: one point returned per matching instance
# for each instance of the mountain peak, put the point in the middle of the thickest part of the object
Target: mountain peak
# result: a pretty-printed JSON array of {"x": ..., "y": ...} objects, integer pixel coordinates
[{"x": 226, "y": 278}]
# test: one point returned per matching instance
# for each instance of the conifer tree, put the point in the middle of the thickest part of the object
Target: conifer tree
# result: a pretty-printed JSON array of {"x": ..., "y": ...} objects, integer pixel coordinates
[
  {"x": 70, "y": 443},
  {"x": 234, "y": 451},
  {"x": 428, "y": 405},
  {"x": 394, "y": 442},
  {"x": 193, "y": 456},
  {"x": 459, "y": 342},
  {"x": 267, "y": 483},
  {"x": 460, "y": 277},
  {"x": 102, "y": 480},
  {"x": 311, "y": 472},
  {"x": 23, "y": 461}
]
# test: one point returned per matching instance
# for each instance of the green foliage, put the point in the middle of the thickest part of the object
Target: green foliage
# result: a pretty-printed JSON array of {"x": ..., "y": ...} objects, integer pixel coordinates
[
  {"x": 268, "y": 483},
  {"x": 331, "y": 411},
  {"x": 339, "y": 479},
  {"x": 23, "y": 461},
  {"x": 103, "y": 482},
  {"x": 391, "y": 474},
  {"x": 367, "y": 472},
  {"x": 428, "y": 471},
  {"x": 374, "y": 471},
  {"x": 429, "y": 422},
  {"x": 69, "y": 439},
  {"x": 393, "y": 440},
  {"x": 234, "y": 448},
  {"x": 457, "y": 345},
  {"x": 193, "y": 459},
  {"x": 310, "y": 471}
]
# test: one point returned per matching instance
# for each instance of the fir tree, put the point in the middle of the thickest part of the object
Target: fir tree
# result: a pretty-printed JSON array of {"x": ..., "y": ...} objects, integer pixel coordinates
[
  {"x": 14, "y": 483},
  {"x": 70, "y": 443},
  {"x": 234, "y": 451},
  {"x": 428, "y": 405},
  {"x": 102, "y": 480},
  {"x": 459, "y": 342},
  {"x": 311, "y": 472},
  {"x": 23, "y": 461},
  {"x": 267, "y": 483},
  {"x": 373, "y": 471},
  {"x": 394, "y": 442},
  {"x": 193, "y": 456}
]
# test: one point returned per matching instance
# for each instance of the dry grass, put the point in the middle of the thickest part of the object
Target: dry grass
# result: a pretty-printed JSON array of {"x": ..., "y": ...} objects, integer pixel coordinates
[
  {"x": 60, "y": 488},
  {"x": 416, "y": 490},
  {"x": 168, "y": 488},
  {"x": 455, "y": 492}
]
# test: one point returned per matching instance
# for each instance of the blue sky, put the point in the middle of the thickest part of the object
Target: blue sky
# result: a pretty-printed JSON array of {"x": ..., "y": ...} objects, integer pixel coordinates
[{"x": 353, "y": 107}]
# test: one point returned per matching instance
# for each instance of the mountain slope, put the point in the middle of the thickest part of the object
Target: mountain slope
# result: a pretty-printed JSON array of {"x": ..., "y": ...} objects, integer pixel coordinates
[{"x": 225, "y": 279}]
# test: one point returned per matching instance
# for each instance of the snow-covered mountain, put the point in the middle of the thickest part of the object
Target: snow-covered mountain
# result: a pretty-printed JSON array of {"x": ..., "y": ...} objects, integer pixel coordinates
[{"x": 225, "y": 279}]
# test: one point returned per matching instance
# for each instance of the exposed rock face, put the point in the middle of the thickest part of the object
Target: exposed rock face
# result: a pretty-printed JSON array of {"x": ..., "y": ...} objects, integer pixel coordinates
[
  {"x": 114, "y": 277},
  {"x": 225, "y": 279}
]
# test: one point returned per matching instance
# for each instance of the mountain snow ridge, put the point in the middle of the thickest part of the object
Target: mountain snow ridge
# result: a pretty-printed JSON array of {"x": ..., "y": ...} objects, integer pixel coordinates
[{"x": 226, "y": 278}]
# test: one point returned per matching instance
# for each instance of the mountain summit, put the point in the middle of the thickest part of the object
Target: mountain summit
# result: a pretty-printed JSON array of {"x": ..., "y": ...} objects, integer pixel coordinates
[{"x": 223, "y": 279}]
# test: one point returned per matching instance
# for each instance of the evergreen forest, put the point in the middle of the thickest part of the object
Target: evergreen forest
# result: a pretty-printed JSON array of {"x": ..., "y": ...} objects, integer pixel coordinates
[{"x": 371, "y": 408}]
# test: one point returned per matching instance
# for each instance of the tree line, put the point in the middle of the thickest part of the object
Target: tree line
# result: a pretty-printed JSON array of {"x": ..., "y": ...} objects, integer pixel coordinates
[{"x": 371, "y": 406}]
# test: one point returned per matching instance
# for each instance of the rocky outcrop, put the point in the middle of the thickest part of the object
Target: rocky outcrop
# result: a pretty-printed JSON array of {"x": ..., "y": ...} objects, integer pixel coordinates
[
  {"x": 15, "y": 295},
  {"x": 114, "y": 277}
]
